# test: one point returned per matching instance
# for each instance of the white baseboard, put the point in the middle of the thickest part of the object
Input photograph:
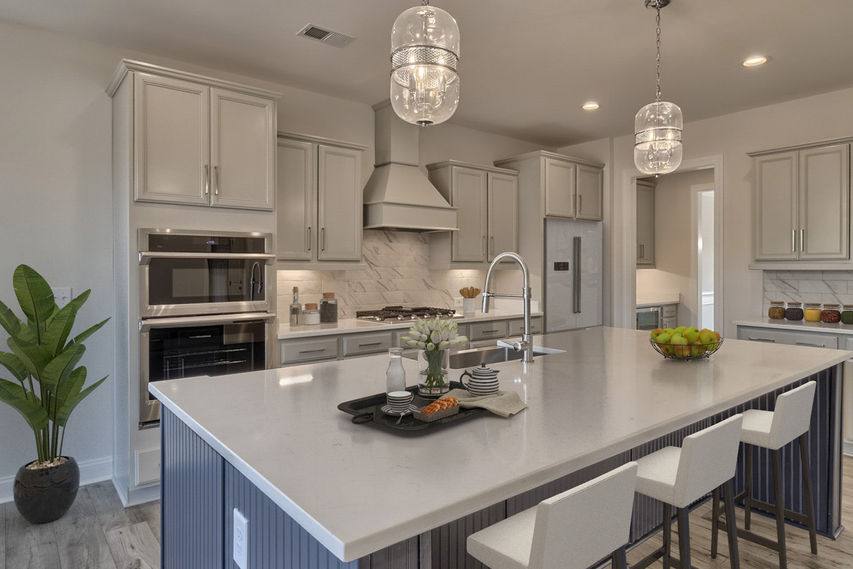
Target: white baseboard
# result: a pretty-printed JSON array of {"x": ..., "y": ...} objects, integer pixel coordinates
[{"x": 91, "y": 471}]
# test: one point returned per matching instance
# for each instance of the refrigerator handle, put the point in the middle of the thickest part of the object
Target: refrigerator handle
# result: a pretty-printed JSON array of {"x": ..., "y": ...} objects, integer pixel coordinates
[{"x": 576, "y": 275}]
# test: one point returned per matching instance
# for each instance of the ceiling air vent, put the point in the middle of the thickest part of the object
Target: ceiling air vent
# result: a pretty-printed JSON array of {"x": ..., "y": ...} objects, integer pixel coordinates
[{"x": 336, "y": 39}]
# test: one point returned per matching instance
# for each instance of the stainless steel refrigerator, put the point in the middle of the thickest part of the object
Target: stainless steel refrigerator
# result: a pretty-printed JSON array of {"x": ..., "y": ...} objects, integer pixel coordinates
[{"x": 573, "y": 276}]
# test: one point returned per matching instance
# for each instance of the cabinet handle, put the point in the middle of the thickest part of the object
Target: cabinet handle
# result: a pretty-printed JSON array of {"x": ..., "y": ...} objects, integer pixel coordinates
[
  {"x": 642, "y": 251},
  {"x": 200, "y": 337},
  {"x": 770, "y": 340},
  {"x": 492, "y": 245},
  {"x": 580, "y": 204},
  {"x": 802, "y": 240},
  {"x": 317, "y": 351},
  {"x": 483, "y": 248},
  {"x": 369, "y": 344},
  {"x": 793, "y": 240},
  {"x": 206, "y": 179},
  {"x": 811, "y": 345},
  {"x": 322, "y": 239},
  {"x": 309, "y": 237},
  {"x": 216, "y": 175}
]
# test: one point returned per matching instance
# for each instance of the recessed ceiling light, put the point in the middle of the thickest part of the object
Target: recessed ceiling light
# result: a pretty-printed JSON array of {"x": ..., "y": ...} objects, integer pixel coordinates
[
  {"x": 590, "y": 106},
  {"x": 754, "y": 61}
]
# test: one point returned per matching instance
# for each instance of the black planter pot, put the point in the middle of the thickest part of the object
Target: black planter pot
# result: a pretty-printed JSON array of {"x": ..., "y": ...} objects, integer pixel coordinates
[{"x": 44, "y": 495}]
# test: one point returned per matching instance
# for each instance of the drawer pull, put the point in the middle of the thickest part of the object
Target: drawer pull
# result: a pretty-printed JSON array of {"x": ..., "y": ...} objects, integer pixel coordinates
[
  {"x": 317, "y": 351},
  {"x": 200, "y": 336},
  {"x": 754, "y": 339},
  {"x": 492, "y": 331},
  {"x": 811, "y": 345},
  {"x": 369, "y": 344}
]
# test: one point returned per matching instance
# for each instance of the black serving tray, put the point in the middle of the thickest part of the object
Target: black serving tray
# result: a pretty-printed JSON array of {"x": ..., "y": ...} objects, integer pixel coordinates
[{"x": 368, "y": 411}]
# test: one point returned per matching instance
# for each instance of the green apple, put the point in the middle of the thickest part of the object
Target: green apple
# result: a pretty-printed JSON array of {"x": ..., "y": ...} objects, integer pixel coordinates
[
  {"x": 681, "y": 330},
  {"x": 677, "y": 342},
  {"x": 692, "y": 335},
  {"x": 657, "y": 331},
  {"x": 706, "y": 336}
]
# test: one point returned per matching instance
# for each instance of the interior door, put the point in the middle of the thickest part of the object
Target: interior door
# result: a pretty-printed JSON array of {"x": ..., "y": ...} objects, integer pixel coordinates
[
  {"x": 503, "y": 213},
  {"x": 824, "y": 189},
  {"x": 339, "y": 204},
  {"x": 296, "y": 196},
  {"x": 171, "y": 140},
  {"x": 468, "y": 195},
  {"x": 242, "y": 139}
]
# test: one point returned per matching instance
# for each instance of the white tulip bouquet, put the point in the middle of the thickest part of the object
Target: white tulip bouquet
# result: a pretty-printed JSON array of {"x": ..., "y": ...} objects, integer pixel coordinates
[{"x": 434, "y": 336}]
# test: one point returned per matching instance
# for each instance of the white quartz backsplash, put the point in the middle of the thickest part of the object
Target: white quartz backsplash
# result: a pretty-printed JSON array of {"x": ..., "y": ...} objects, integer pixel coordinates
[{"x": 808, "y": 286}]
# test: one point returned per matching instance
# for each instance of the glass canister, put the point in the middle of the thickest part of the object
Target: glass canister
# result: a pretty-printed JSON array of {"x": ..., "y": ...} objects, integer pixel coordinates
[
  {"x": 812, "y": 312},
  {"x": 794, "y": 311},
  {"x": 395, "y": 376},
  {"x": 328, "y": 308},
  {"x": 847, "y": 315},
  {"x": 830, "y": 314},
  {"x": 776, "y": 310},
  {"x": 311, "y": 314}
]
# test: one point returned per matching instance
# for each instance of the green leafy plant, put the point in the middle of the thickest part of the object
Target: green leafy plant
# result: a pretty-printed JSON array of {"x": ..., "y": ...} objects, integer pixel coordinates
[{"x": 43, "y": 359}]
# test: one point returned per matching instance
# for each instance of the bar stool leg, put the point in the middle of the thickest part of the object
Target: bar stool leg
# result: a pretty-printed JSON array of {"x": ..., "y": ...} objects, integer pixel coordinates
[
  {"x": 667, "y": 535},
  {"x": 807, "y": 483},
  {"x": 780, "y": 508},
  {"x": 715, "y": 521},
  {"x": 684, "y": 538},
  {"x": 747, "y": 493},
  {"x": 618, "y": 560},
  {"x": 731, "y": 526}
]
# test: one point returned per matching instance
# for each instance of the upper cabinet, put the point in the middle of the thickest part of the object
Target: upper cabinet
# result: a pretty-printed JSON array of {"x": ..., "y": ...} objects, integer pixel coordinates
[
  {"x": 486, "y": 199},
  {"x": 802, "y": 204},
  {"x": 199, "y": 141},
  {"x": 645, "y": 224},
  {"x": 319, "y": 200}
]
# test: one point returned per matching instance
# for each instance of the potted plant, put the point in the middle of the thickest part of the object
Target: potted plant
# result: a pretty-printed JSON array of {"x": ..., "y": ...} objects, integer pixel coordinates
[{"x": 45, "y": 388}]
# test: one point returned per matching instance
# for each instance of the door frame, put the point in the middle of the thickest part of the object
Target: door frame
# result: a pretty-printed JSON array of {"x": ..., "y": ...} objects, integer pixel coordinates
[{"x": 624, "y": 276}]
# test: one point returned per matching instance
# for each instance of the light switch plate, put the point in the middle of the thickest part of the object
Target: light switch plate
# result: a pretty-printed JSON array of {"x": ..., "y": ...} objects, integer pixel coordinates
[
  {"x": 241, "y": 539},
  {"x": 62, "y": 294}
]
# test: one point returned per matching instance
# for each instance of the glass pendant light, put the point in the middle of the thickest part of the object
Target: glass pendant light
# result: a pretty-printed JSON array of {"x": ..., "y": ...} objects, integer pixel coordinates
[
  {"x": 424, "y": 54},
  {"x": 658, "y": 125}
]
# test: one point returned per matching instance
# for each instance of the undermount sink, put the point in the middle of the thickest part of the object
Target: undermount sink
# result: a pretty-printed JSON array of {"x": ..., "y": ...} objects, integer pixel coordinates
[{"x": 488, "y": 355}]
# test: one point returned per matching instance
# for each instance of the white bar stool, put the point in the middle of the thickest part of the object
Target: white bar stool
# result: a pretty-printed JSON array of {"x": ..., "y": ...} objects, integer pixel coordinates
[
  {"x": 571, "y": 530},
  {"x": 680, "y": 476},
  {"x": 772, "y": 430}
]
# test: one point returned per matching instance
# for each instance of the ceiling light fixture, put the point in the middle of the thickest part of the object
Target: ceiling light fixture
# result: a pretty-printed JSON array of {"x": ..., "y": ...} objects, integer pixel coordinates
[
  {"x": 658, "y": 125},
  {"x": 590, "y": 106},
  {"x": 424, "y": 54},
  {"x": 754, "y": 61}
]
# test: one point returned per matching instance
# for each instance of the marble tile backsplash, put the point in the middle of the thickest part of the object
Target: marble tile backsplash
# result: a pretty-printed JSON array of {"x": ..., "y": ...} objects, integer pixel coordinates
[
  {"x": 396, "y": 272},
  {"x": 808, "y": 286}
]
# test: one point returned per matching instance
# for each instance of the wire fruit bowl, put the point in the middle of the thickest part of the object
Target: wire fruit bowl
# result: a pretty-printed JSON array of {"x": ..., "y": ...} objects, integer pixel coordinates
[{"x": 686, "y": 352}]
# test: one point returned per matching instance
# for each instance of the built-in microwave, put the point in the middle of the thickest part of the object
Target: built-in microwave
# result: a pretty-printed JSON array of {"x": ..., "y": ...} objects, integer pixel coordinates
[
  {"x": 195, "y": 273},
  {"x": 181, "y": 347},
  {"x": 649, "y": 318}
]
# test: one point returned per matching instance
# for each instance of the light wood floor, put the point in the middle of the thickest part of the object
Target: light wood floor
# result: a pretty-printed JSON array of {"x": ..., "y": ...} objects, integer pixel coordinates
[{"x": 97, "y": 533}]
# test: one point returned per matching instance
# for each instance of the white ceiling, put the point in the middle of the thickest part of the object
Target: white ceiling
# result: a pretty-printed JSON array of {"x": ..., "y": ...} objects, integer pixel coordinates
[{"x": 526, "y": 67}]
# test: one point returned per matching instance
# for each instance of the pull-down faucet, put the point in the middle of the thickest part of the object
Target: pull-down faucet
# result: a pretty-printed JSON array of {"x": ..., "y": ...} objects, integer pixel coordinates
[{"x": 526, "y": 343}]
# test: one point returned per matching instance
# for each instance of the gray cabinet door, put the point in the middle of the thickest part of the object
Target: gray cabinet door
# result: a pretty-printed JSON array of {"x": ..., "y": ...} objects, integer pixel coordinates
[
  {"x": 645, "y": 225},
  {"x": 468, "y": 195},
  {"x": 824, "y": 193},
  {"x": 503, "y": 214},
  {"x": 171, "y": 140},
  {"x": 559, "y": 188},
  {"x": 590, "y": 182},
  {"x": 776, "y": 207},
  {"x": 296, "y": 236},
  {"x": 339, "y": 216}
]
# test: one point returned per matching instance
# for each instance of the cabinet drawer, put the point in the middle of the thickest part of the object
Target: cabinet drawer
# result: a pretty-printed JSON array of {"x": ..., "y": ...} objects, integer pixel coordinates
[
  {"x": 669, "y": 311},
  {"x": 296, "y": 351},
  {"x": 817, "y": 340},
  {"x": 669, "y": 322},
  {"x": 358, "y": 344},
  {"x": 516, "y": 327},
  {"x": 487, "y": 330}
]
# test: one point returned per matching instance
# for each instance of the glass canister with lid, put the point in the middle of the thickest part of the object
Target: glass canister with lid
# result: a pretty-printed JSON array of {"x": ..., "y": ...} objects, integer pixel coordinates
[
  {"x": 776, "y": 310},
  {"x": 311, "y": 314},
  {"x": 328, "y": 308},
  {"x": 830, "y": 314},
  {"x": 847, "y": 314},
  {"x": 794, "y": 311},
  {"x": 812, "y": 312}
]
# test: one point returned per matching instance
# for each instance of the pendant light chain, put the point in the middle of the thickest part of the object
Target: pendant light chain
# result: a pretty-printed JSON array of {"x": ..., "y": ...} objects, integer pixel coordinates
[{"x": 658, "y": 49}]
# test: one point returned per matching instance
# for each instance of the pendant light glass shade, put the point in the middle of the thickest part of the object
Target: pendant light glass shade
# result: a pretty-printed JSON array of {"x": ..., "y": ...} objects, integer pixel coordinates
[
  {"x": 657, "y": 138},
  {"x": 424, "y": 54}
]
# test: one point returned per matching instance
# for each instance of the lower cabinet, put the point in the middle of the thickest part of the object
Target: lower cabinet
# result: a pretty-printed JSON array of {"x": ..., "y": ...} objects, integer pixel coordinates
[
  {"x": 309, "y": 350},
  {"x": 812, "y": 339}
]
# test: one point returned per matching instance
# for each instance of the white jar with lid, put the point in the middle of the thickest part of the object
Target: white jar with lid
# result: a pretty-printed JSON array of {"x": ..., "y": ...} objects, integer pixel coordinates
[{"x": 311, "y": 314}]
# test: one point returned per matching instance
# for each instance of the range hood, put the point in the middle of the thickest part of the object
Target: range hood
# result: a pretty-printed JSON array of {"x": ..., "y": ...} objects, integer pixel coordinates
[{"x": 398, "y": 195}]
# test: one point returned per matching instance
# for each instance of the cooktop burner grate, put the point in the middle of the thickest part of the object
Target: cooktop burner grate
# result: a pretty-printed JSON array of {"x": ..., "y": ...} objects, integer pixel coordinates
[{"x": 404, "y": 313}]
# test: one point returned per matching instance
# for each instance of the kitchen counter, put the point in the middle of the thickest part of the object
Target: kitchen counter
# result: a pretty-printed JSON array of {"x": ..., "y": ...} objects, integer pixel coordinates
[
  {"x": 657, "y": 299},
  {"x": 801, "y": 326},
  {"x": 353, "y": 325},
  {"x": 357, "y": 490}
]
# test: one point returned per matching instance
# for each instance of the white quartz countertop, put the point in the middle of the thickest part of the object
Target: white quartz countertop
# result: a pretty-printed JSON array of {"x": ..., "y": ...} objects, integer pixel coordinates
[
  {"x": 801, "y": 326},
  {"x": 607, "y": 393},
  {"x": 354, "y": 325},
  {"x": 657, "y": 299}
]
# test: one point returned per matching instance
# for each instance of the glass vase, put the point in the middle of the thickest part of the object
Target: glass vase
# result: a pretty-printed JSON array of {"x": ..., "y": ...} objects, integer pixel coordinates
[{"x": 435, "y": 381}]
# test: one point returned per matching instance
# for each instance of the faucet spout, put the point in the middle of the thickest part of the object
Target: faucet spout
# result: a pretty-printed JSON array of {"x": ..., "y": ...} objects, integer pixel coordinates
[{"x": 526, "y": 339}]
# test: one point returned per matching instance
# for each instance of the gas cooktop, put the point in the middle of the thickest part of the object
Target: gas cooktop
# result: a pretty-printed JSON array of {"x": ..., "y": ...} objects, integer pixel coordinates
[{"x": 404, "y": 313}]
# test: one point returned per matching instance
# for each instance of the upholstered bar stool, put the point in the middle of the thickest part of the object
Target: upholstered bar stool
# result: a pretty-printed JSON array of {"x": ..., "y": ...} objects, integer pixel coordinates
[
  {"x": 772, "y": 430},
  {"x": 571, "y": 530},
  {"x": 680, "y": 476}
]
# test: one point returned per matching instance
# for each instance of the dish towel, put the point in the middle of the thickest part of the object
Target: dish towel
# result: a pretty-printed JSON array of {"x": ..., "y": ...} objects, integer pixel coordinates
[{"x": 502, "y": 403}]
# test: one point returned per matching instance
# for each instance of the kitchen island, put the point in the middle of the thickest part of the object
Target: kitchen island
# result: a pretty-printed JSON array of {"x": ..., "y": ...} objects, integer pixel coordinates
[{"x": 320, "y": 491}]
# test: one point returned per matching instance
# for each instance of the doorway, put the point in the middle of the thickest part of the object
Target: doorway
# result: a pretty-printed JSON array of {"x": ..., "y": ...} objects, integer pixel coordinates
[{"x": 704, "y": 215}]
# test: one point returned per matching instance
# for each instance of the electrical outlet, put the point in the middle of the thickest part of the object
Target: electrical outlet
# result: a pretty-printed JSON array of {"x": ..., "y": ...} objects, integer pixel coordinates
[
  {"x": 241, "y": 540},
  {"x": 62, "y": 294}
]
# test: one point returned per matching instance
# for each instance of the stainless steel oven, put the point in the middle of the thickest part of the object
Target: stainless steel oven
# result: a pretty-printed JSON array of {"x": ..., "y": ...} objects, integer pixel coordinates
[
  {"x": 194, "y": 273},
  {"x": 176, "y": 348},
  {"x": 649, "y": 318}
]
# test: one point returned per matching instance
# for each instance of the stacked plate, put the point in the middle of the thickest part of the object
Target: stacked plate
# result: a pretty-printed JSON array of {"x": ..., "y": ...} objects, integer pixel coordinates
[
  {"x": 399, "y": 403},
  {"x": 484, "y": 381}
]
